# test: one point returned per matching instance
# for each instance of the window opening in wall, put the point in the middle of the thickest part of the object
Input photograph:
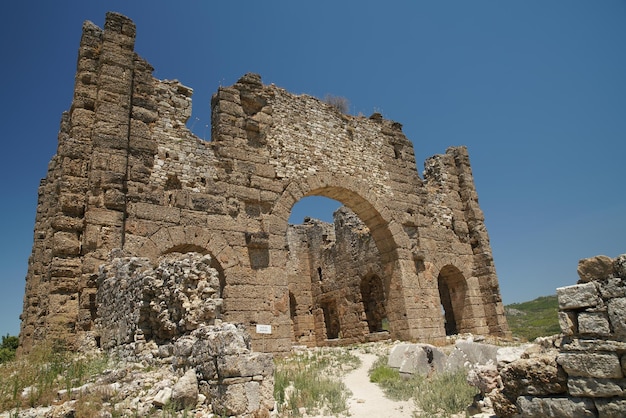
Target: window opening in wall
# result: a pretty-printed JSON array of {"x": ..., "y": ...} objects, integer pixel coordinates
[
  {"x": 319, "y": 273},
  {"x": 292, "y": 306},
  {"x": 331, "y": 320}
]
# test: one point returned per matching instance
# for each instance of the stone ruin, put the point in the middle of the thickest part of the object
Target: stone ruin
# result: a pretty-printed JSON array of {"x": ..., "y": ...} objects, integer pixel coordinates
[
  {"x": 130, "y": 177},
  {"x": 169, "y": 316},
  {"x": 582, "y": 372}
]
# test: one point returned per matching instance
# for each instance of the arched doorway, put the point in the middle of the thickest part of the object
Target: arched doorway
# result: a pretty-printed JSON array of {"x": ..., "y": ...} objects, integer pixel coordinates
[
  {"x": 373, "y": 297},
  {"x": 452, "y": 293}
]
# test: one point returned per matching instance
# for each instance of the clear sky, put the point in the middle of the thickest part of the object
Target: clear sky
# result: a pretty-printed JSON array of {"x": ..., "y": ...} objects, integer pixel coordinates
[{"x": 535, "y": 89}]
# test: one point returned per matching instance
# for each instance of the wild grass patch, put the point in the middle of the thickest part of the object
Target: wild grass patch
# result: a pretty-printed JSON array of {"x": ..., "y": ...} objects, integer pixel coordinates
[
  {"x": 35, "y": 379},
  {"x": 311, "y": 381},
  {"x": 439, "y": 395}
]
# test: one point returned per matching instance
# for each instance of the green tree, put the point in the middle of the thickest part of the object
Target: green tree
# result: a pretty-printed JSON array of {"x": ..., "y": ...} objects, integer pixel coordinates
[{"x": 8, "y": 348}]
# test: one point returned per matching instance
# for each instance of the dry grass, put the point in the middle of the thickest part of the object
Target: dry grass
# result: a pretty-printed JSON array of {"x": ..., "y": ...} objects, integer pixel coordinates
[
  {"x": 310, "y": 381},
  {"x": 35, "y": 380},
  {"x": 439, "y": 395}
]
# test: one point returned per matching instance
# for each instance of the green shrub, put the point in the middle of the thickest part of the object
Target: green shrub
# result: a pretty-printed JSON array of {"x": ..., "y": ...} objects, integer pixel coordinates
[
  {"x": 395, "y": 387},
  {"x": 8, "y": 348},
  {"x": 444, "y": 394}
]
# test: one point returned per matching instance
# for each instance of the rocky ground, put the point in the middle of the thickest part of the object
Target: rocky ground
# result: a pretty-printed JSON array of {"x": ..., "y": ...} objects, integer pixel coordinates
[{"x": 136, "y": 389}]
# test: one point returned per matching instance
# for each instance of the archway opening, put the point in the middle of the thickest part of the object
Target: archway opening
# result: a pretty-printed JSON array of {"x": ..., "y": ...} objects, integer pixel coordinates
[
  {"x": 373, "y": 297},
  {"x": 452, "y": 291},
  {"x": 330, "y": 251}
]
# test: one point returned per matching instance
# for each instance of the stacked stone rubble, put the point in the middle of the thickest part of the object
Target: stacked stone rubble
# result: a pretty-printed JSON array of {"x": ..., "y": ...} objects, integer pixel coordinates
[
  {"x": 169, "y": 315},
  {"x": 584, "y": 372}
]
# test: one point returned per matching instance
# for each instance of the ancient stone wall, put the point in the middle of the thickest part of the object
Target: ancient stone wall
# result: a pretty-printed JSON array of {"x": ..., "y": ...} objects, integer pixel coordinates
[
  {"x": 129, "y": 175},
  {"x": 586, "y": 374}
]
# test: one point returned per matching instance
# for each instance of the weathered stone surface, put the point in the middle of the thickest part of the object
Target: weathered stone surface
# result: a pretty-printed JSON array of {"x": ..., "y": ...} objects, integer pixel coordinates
[
  {"x": 510, "y": 354},
  {"x": 578, "y": 296},
  {"x": 595, "y": 268},
  {"x": 423, "y": 359},
  {"x": 595, "y": 388},
  {"x": 556, "y": 407},
  {"x": 135, "y": 178},
  {"x": 485, "y": 377},
  {"x": 179, "y": 295},
  {"x": 617, "y": 316},
  {"x": 185, "y": 391},
  {"x": 162, "y": 397},
  {"x": 611, "y": 408},
  {"x": 619, "y": 266},
  {"x": 593, "y": 323},
  {"x": 600, "y": 365},
  {"x": 567, "y": 323},
  {"x": 538, "y": 375}
]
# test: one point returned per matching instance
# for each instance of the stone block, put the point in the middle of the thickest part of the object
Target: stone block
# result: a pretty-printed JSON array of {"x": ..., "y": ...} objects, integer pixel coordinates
[
  {"x": 611, "y": 408},
  {"x": 185, "y": 391},
  {"x": 567, "y": 322},
  {"x": 155, "y": 212},
  {"x": 65, "y": 243},
  {"x": 578, "y": 296},
  {"x": 556, "y": 407},
  {"x": 595, "y": 268},
  {"x": 617, "y": 316},
  {"x": 614, "y": 287},
  {"x": 249, "y": 365},
  {"x": 595, "y": 388},
  {"x": 593, "y": 323},
  {"x": 422, "y": 359},
  {"x": 601, "y": 365}
]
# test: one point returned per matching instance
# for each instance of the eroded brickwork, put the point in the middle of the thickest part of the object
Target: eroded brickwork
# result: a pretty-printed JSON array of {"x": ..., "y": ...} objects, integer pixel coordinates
[{"x": 129, "y": 175}]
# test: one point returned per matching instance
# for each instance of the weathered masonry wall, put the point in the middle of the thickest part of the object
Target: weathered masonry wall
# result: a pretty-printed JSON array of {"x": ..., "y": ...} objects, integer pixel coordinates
[
  {"x": 129, "y": 175},
  {"x": 585, "y": 376}
]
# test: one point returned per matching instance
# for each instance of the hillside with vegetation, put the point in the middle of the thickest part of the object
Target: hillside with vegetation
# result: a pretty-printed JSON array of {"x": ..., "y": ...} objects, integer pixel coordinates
[{"x": 536, "y": 318}]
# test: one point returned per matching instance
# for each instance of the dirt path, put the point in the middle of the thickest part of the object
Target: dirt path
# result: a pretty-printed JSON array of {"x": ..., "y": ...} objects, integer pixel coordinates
[{"x": 367, "y": 398}]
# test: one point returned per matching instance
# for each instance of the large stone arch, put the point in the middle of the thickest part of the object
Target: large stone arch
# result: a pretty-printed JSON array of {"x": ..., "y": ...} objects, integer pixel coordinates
[{"x": 390, "y": 239}]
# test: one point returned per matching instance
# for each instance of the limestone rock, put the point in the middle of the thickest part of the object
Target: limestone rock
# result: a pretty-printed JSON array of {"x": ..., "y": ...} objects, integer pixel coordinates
[
  {"x": 595, "y": 268},
  {"x": 538, "y": 375},
  {"x": 185, "y": 391},
  {"x": 619, "y": 266},
  {"x": 485, "y": 377},
  {"x": 578, "y": 296},
  {"x": 600, "y": 365},
  {"x": 162, "y": 397},
  {"x": 556, "y": 407},
  {"x": 423, "y": 359}
]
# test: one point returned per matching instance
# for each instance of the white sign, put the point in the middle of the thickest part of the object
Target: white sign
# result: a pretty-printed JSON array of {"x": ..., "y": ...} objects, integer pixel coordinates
[{"x": 263, "y": 329}]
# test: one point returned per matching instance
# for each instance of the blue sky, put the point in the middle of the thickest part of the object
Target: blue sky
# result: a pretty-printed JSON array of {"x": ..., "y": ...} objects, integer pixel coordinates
[{"x": 536, "y": 90}]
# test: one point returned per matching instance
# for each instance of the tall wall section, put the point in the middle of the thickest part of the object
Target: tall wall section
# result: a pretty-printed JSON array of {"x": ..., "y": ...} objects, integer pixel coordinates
[{"x": 129, "y": 175}]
